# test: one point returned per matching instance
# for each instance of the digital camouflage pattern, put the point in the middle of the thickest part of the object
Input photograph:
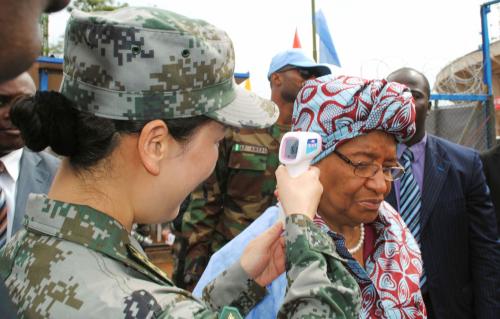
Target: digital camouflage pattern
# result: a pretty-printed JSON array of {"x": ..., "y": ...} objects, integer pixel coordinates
[
  {"x": 72, "y": 261},
  {"x": 240, "y": 189},
  {"x": 313, "y": 266},
  {"x": 148, "y": 63}
]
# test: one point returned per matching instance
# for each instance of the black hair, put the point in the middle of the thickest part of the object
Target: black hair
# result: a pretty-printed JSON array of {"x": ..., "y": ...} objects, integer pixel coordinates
[{"x": 50, "y": 119}]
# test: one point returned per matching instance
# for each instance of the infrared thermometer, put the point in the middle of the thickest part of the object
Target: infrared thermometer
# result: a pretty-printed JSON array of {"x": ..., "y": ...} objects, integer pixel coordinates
[{"x": 297, "y": 150}]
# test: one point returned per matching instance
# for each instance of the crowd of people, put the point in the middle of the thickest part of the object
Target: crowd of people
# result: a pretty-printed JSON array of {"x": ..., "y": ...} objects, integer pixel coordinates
[{"x": 388, "y": 222}]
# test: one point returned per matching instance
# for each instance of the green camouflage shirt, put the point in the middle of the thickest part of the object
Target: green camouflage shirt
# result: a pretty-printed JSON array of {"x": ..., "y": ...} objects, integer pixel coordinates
[
  {"x": 314, "y": 267},
  {"x": 240, "y": 189},
  {"x": 72, "y": 261}
]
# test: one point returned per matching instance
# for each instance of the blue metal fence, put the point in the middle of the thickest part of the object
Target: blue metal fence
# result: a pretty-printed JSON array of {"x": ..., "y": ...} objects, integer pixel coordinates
[{"x": 468, "y": 119}]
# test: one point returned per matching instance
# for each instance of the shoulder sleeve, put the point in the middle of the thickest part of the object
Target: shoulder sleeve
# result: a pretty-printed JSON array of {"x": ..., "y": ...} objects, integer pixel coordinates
[
  {"x": 317, "y": 281},
  {"x": 233, "y": 288},
  {"x": 231, "y": 295}
]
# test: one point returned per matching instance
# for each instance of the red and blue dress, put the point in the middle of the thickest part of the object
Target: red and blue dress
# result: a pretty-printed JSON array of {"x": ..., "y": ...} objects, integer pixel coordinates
[{"x": 389, "y": 282}]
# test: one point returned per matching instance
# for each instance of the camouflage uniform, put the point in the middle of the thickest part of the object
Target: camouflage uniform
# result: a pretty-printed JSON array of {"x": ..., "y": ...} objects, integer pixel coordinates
[
  {"x": 72, "y": 261},
  {"x": 240, "y": 189}
]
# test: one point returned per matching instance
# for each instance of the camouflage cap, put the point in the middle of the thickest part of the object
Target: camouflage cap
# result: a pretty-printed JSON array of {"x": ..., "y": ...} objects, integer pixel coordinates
[{"x": 148, "y": 63}]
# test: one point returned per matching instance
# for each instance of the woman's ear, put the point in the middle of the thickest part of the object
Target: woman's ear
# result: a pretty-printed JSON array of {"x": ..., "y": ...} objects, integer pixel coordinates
[{"x": 153, "y": 145}]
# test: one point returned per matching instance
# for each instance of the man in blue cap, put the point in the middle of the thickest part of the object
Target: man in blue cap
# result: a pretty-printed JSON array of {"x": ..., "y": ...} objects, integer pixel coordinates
[
  {"x": 296, "y": 58},
  {"x": 287, "y": 72},
  {"x": 242, "y": 185}
]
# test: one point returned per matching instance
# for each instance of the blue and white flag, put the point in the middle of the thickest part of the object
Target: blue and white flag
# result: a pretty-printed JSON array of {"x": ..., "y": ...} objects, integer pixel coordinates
[{"x": 327, "y": 52}]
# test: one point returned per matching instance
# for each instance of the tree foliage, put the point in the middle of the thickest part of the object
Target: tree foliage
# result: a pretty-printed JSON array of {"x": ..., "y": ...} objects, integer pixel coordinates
[
  {"x": 96, "y": 5},
  {"x": 56, "y": 49}
]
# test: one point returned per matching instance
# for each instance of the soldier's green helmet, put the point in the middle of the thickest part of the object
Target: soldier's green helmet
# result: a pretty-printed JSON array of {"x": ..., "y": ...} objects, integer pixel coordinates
[{"x": 148, "y": 63}]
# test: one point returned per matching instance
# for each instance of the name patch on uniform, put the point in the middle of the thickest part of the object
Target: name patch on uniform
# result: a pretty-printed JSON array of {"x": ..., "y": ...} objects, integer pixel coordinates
[{"x": 250, "y": 149}]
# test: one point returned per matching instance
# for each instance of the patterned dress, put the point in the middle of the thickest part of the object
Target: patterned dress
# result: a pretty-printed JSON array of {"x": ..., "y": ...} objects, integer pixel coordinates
[{"x": 389, "y": 282}]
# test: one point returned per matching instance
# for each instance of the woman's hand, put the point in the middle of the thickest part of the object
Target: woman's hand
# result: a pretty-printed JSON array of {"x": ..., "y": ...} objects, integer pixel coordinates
[
  {"x": 301, "y": 194},
  {"x": 264, "y": 257}
]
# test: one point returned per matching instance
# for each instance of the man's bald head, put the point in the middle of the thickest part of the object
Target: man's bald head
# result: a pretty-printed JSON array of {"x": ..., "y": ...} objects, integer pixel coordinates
[
  {"x": 410, "y": 75},
  {"x": 10, "y": 136},
  {"x": 421, "y": 92}
]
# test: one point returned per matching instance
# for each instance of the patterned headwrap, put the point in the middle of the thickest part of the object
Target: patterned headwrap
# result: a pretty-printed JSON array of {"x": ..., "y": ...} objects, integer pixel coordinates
[{"x": 341, "y": 108}]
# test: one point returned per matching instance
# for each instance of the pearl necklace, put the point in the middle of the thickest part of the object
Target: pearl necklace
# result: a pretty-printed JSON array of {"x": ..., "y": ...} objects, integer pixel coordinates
[{"x": 358, "y": 246}]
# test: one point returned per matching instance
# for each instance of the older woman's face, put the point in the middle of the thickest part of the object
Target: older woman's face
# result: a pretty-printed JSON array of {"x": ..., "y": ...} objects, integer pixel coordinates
[{"x": 348, "y": 199}]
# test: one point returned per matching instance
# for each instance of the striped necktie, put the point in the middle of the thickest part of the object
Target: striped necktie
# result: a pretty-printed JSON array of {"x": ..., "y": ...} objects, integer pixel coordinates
[
  {"x": 410, "y": 201},
  {"x": 3, "y": 212}
]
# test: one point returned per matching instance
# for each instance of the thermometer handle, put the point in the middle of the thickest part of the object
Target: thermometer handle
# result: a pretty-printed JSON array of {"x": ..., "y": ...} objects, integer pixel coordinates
[
  {"x": 294, "y": 171},
  {"x": 297, "y": 169}
]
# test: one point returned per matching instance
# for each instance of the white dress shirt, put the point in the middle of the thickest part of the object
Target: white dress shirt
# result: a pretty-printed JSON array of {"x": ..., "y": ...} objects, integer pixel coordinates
[{"x": 8, "y": 182}]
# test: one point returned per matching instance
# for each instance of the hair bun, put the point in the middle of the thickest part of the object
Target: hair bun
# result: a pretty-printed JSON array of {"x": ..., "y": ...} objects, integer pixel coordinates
[{"x": 46, "y": 119}]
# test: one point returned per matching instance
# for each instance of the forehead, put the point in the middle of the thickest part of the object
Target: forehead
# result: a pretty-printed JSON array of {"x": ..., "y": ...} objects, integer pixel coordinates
[
  {"x": 376, "y": 145},
  {"x": 412, "y": 80}
]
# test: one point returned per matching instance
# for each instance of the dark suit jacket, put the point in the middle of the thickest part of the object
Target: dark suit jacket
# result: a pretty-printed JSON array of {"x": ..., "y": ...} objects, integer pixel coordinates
[
  {"x": 37, "y": 170},
  {"x": 458, "y": 233},
  {"x": 491, "y": 166}
]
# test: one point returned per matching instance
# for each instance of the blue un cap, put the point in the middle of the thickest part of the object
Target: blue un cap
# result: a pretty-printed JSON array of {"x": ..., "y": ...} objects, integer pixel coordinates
[{"x": 297, "y": 58}]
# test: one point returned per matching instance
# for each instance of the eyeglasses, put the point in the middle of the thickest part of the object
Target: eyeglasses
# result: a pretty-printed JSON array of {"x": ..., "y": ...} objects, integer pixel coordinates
[
  {"x": 368, "y": 170},
  {"x": 304, "y": 73}
]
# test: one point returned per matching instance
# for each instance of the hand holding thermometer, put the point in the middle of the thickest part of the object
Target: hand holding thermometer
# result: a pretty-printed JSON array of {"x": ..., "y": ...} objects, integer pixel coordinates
[{"x": 297, "y": 150}]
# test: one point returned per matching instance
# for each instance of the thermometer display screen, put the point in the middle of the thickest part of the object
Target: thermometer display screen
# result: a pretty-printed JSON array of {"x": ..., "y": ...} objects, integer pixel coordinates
[{"x": 291, "y": 148}]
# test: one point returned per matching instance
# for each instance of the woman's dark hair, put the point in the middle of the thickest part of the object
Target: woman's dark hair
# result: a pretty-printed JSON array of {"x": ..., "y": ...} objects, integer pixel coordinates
[{"x": 49, "y": 119}]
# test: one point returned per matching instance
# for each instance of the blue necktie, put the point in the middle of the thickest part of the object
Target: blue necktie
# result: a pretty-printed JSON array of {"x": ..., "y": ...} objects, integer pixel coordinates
[{"x": 410, "y": 201}]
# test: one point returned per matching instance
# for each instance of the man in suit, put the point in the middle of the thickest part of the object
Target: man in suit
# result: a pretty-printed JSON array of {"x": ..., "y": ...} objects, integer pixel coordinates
[
  {"x": 21, "y": 171},
  {"x": 451, "y": 215},
  {"x": 491, "y": 166}
]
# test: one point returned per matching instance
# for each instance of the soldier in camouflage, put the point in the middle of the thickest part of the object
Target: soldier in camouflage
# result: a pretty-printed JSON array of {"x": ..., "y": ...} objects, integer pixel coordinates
[
  {"x": 242, "y": 185},
  {"x": 135, "y": 81}
]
